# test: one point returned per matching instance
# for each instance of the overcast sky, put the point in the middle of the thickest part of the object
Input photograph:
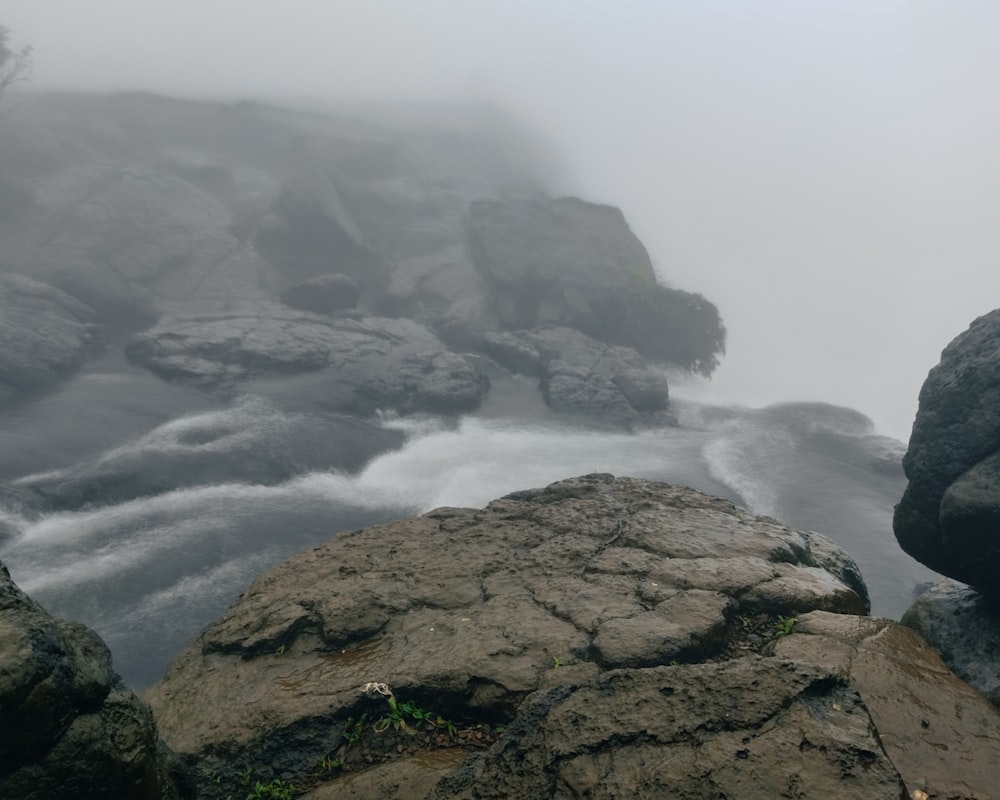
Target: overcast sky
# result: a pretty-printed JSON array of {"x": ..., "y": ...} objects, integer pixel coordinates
[{"x": 826, "y": 171}]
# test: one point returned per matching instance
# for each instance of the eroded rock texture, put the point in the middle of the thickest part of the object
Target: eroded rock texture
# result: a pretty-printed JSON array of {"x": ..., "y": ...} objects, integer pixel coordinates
[
  {"x": 949, "y": 517},
  {"x": 70, "y": 727},
  {"x": 468, "y": 610}
]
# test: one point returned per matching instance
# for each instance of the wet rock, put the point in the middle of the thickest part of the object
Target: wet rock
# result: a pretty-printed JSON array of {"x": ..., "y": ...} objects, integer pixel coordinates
[
  {"x": 750, "y": 728},
  {"x": 71, "y": 728},
  {"x": 360, "y": 365},
  {"x": 941, "y": 735},
  {"x": 252, "y": 442},
  {"x": 582, "y": 571},
  {"x": 580, "y": 375},
  {"x": 323, "y": 294},
  {"x": 963, "y": 625},
  {"x": 575, "y": 264},
  {"x": 948, "y": 518},
  {"x": 44, "y": 334}
]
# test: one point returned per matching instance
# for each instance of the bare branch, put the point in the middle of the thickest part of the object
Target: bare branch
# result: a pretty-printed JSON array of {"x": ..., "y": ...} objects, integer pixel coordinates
[{"x": 15, "y": 65}]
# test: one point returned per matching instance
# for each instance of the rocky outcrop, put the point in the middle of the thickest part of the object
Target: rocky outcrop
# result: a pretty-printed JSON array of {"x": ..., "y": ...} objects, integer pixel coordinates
[
  {"x": 579, "y": 375},
  {"x": 819, "y": 716},
  {"x": 948, "y": 517},
  {"x": 119, "y": 237},
  {"x": 593, "y": 574},
  {"x": 361, "y": 364},
  {"x": 252, "y": 442},
  {"x": 964, "y": 626},
  {"x": 576, "y": 264},
  {"x": 71, "y": 728},
  {"x": 44, "y": 334}
]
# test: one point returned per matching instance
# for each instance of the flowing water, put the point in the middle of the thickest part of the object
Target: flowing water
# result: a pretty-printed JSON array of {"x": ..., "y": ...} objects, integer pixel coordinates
[{"x": 150, "y": 569}]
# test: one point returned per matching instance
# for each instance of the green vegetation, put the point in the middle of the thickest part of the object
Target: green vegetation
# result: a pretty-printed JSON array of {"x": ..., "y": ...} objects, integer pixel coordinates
[
  {"x": 353, "y": 729},
  {"x": 784, "y": 626},
  {"x": 275, "y": 790}
]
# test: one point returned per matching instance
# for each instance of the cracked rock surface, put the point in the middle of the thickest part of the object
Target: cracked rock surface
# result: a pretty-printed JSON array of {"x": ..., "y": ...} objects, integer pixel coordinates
[{"x": 468, "y": 610}]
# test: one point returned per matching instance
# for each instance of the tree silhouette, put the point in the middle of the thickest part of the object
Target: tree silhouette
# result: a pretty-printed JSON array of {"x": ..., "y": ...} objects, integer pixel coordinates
[{"x": 15, "y": 65}]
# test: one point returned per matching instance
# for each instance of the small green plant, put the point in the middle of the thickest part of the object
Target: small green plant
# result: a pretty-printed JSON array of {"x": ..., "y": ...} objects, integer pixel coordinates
[
  {"x": 244, "y": 776},
  {"x": 280, "y": 651},
  {"x": 448, "y": 725},
  {"x": 410, "y": 710},
  {"x": 556, "y": 663},
  {"x": 784, "y": 626},
  {"x": 353, "y": 730},
  {"x": 277, "y": 789},
  {"x": 327, "y": 764}
]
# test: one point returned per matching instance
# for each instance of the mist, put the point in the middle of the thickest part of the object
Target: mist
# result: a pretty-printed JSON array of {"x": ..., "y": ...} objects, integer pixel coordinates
[{"x": 824, "y": 172}]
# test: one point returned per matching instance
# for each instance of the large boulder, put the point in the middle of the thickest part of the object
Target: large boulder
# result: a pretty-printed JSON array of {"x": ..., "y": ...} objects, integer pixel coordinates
[
  {"x": 70, "y": 727},
  {"x": 120, "y": 238},
  {"x": 949, "y": 516},
  {"x": 44, "y": 334},
  {"x": 964, "y": 626},
  {"x": 353, "y": 365},
  {"x": 593, "y": 574},
  {"x": 579, "y": 375},
  {"x": 576, "y": 264}
]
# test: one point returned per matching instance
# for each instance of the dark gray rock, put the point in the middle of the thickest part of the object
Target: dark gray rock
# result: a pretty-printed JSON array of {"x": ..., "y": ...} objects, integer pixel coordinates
[
  {"x": 44, "y": 334},
  {"x": 948, "y": 518},
  {"x": 323, "y": 294},
  {"x": 358, "y": 365},
  {"x": 252, "y": 442},
  {"x": 71, "y": 728},
  {"x": 582, "y": 376},
  {"x": 308, "y": 233},
  {"x": 751, "y": 728},
  {"x": 963, "y": 625},
  {"x": 570, "y": 263}
]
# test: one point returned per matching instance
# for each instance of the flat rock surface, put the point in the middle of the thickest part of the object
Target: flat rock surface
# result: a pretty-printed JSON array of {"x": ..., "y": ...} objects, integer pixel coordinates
[
  {"x": 468, "y": 611},
  {"x": 940, "y": 734}
]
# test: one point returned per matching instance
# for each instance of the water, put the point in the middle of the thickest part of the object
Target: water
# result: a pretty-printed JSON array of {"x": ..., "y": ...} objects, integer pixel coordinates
[{"x": 182, "y": 539}]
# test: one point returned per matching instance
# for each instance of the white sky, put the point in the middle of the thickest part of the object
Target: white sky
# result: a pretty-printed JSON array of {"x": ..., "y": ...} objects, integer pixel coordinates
[{"x": 826, "y": 171}]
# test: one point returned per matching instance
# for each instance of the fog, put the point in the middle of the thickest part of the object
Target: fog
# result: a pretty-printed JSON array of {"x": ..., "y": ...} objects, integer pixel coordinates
[{"x": 825, "y": 172}]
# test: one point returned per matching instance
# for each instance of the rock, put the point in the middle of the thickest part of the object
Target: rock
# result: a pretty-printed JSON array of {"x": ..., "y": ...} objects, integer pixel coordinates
[
  {"x": 575, "y": 264},
  {"x": 948, "y": 517},
  {"x": 963, "y": 625},
  {"x": 749, "y": 728},
  {"x": 939, "y": 733},
  {"x": 323, "y": 294},
  {"x": 252, "y": 442},
  {"x": 580, "y": 375},
  {"x": 609, "y": 573},
  {"x": 360, "y": 365},
  {"x": 309, "y": 233},
  {"x": 44, "y": 334},
  {"x": 71, "y": 728},
  {"x": 120, "y": 237}
]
